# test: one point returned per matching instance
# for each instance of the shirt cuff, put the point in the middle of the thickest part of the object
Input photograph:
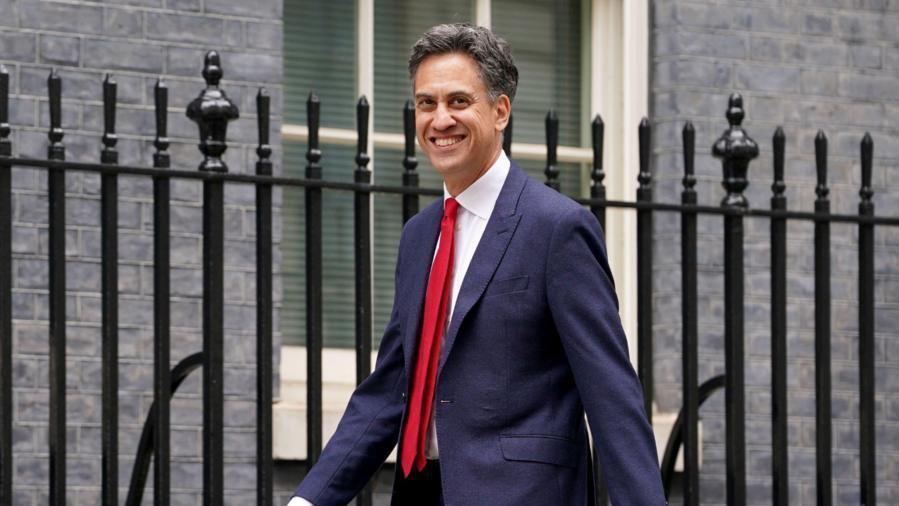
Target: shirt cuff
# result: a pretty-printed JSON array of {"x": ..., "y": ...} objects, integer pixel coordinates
[{"x": 299, "y": 501}]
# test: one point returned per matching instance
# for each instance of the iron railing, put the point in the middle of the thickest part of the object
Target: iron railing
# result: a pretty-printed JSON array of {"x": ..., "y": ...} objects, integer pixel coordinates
[{"x": 212, "y": 111}]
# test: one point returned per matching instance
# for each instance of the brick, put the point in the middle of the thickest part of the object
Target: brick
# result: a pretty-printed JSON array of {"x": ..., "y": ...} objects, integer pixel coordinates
[
  {"x": 865, "y": 56},
  {"x": 697, "y": 73},
  {"x": 61, "y": 17},
  {"x": 18, "y": 46},
  {"x": 183, "y": 5},
  {"x": 870, "y": 87},
  {"x": 766, "y": 49},
  {"x": 266, "y": 36},
  {"x": 118, "y": 55},
  {"x": 814, "y": 52},
  {"x": 184, "y": 28},
  {"x": 60, "y": 50},
  {"x": 767, "y": 78},
  {"x": 767, "y": 19},
  {"x": 817, "y": 24},
  {"x": 263, "y": 9},
  {"x": 813, "y": 82},
  {"x": 123, "y": 22}
]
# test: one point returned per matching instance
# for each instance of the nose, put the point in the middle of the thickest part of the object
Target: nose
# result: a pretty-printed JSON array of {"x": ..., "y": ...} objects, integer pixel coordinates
[{"x": 443, "y": 118}]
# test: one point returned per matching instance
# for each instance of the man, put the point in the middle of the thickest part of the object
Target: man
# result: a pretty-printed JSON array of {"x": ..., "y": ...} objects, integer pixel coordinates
[{"x": 505, "y": 325}]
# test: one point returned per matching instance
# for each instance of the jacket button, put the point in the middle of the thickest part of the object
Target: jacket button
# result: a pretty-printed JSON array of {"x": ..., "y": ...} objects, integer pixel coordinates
[{"x": 404, "y": 396}]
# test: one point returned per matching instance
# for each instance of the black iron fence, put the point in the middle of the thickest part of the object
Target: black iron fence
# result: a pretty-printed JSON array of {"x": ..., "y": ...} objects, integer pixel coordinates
[{"x": 212, "y": 111}]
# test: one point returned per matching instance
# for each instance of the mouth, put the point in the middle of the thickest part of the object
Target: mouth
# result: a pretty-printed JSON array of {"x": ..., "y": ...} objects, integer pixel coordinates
[{"x": 445, "y": 142}]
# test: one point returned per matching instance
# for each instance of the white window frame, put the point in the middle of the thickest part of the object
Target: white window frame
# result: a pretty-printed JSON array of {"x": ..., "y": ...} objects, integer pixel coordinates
[{"x": 615, "y": 85}]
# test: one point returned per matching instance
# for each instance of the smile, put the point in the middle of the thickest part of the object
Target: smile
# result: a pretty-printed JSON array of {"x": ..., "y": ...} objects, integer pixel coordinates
[{"x": 447, "y": 141}]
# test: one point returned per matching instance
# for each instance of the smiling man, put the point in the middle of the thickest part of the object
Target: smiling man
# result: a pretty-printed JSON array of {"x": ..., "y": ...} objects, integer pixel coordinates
[{"x": 505, "y": 326}]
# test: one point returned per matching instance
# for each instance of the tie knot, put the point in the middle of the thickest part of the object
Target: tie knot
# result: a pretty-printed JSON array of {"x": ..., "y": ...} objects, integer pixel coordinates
[{"x": 450, "y": 206}]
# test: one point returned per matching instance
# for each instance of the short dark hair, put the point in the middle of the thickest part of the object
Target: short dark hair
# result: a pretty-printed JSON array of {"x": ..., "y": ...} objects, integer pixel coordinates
[{"x": 492, "y": 54}]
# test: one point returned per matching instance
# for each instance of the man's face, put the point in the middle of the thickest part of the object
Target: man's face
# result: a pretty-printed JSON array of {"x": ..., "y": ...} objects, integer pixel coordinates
[{"x": 457, "y": 125}]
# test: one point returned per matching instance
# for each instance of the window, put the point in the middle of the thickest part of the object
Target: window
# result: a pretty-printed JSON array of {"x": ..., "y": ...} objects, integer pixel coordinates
[{"x": 580, "y": 57}]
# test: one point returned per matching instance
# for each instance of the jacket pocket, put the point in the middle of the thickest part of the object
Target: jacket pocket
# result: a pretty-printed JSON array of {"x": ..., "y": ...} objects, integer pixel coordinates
[
  {"x": 536, "y": 448},
  {"x": 507, "y": 285}
]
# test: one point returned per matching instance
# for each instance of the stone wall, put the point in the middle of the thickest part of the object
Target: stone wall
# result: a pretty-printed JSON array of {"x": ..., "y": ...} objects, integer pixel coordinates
[
  {"x": 137, "y": 41},
  {"x": 805, "y": 65}
]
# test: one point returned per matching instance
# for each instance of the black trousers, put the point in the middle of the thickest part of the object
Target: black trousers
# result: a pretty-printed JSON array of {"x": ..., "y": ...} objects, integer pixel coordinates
[{"x": 420, "y": 488}]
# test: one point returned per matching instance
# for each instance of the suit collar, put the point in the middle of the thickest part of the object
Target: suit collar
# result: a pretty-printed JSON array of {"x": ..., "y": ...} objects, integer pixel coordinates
[{"x": 480, "y": 197}]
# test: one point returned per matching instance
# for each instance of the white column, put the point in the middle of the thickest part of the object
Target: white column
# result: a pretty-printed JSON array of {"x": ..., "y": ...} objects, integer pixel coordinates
[{"x": 482, "y": 13}]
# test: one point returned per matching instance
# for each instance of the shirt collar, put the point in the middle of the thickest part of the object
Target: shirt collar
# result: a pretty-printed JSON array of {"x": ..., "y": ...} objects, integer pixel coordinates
[{"x": 480, "y": 197}]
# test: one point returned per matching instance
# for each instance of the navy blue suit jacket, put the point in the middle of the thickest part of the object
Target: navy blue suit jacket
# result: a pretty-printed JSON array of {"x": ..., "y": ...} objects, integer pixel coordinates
[{"x": 535, "y": 341}]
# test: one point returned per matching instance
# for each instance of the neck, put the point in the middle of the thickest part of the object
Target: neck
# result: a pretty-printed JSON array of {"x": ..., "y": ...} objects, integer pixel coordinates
[{"x": 457, "y": 185}]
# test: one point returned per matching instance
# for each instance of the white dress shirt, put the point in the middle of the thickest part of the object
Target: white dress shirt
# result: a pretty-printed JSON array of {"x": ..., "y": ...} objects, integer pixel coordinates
[{"x": 475, "y": 206}]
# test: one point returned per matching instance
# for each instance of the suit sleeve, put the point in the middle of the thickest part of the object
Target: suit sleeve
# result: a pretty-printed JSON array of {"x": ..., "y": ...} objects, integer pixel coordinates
[
  {"x": 368, "y": 430},
  {"x": 581, "y": 296}
]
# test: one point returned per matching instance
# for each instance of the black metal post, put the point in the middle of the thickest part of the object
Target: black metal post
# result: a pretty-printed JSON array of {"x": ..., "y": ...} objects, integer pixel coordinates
[
  {"x": 689, "y": 314},
  {"x": 507, "y": 137},
  {"x": 644, "y": 271},
  {"x": 823, "y": 428},
  {"x": 866, "y": 365},
  {"x": 779, "y": 461},
  {"x": 56, "y": 189},
  {"x": 264, "y": 476},
  {"x": 161, "y": 320},
  {"x": 110, "y": 282},
  {"x": 552, "y": 143},
  {"x": 211, "y": 111},
  {"x": 5, "y": 296},
  {"x": 736, "y": 150},
  {"x": 598, "y": 191},
  {"x": 597, "y": 175},
  {"x": 362, "y": 226},
  {"x": 410, "y": 177},
  {"x": 313, "y": 288}
]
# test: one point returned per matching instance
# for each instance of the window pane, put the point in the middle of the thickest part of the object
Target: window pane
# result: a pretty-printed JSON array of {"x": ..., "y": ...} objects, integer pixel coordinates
[
  {"x": 398, "y": 24},
  {"x": 545, "y": 36},
  {"x": 320, "y": 55}
]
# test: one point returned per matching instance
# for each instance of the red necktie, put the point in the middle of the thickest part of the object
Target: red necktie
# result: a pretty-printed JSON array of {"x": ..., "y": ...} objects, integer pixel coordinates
[{"x": 436, "y": 305}]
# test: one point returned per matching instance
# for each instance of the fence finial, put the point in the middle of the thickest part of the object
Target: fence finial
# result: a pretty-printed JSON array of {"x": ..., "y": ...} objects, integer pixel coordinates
[
  {"x": 161, "y": 104},
  {"x": 56, "y": 150},
  {"x": 867, "y": 146},
  {"x": 409, "y": 160},
  {"x": 736, "y": 149},
  {"x": 779, "y": 141},
  {"x": 362, "y": 110},
  {"x": 313, "y": 153},
  {"x": 689, "y": 140},
  {"x": 644, "y": 178},
  {"x": 109, "y": 153},
  {"x": 264, "y": 149},
  {"x": 212, "y": 111},
  {"x": 5, "y": 146},
  {"x": 597, "y": 129},
  {"x": 821, "y": 189},
  {"x": 552, "y": 142}
]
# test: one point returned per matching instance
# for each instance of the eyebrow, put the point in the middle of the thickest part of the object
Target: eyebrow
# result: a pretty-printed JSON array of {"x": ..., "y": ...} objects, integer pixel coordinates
[{"x": 450, "y": 94}]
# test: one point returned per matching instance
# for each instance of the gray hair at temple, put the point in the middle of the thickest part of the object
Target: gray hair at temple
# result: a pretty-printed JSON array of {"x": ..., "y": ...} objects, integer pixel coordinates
[{"x": 491, "y": 53}]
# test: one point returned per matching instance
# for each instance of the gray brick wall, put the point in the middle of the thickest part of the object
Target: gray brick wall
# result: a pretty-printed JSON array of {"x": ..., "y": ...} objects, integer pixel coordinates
[
  {"x": 136, "y": 40},
  {"x": 803, "y": 65}
]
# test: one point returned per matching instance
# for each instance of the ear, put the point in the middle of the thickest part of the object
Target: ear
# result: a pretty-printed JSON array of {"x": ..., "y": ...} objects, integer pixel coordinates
[{"x": 503, "y": 108}]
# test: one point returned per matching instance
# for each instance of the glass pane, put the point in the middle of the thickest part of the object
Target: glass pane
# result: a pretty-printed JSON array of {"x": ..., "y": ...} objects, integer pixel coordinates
[
  {"x": 320, "y": 55},
  {"x": 398, "y": 24},
  {"x": 545, "y": 36}
]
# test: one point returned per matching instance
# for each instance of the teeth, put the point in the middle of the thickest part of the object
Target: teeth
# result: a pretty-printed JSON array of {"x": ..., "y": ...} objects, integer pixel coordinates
[{"x": 447, "y": 141}]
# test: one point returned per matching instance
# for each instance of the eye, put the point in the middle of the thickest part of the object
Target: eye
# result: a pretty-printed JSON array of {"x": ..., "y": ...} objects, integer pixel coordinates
[
  {"x": 459, "y": 101},
  {"x": 424, "y": 103}
]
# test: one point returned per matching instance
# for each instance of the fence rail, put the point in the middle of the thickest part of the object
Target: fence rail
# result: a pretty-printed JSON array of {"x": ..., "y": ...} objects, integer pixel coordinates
[{"x": 212, "y": 111}]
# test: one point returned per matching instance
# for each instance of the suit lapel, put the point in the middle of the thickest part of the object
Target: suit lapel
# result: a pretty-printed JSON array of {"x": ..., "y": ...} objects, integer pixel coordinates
[{"x": 491, "y": 248}]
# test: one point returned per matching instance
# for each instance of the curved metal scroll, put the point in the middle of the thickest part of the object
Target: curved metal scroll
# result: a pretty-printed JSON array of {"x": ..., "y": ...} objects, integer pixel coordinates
[
  {"x": 145, "y": 448},
  {"x": 675, "y": 440}
]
